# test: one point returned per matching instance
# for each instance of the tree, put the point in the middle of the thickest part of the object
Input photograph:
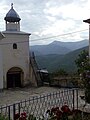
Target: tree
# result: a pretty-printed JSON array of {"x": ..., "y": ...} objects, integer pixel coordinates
[
  {"x": 82, "y": 62},
  {"x": 60, "y": 72},
  {"x": 83, "y": 65}
]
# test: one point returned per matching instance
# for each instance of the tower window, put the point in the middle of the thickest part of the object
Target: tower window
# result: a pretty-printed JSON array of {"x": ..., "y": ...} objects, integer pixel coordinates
[{"x": 14, "y": 46}]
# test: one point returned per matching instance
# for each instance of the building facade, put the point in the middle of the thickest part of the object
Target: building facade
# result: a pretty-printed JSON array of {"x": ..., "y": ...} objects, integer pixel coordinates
[
  {"x": 1, "y": 65},
  {"x": 16, "y": 68}
]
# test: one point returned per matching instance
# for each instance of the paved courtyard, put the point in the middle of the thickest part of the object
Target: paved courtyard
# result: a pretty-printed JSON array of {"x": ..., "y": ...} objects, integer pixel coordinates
[
  {"x": 14, "y": 95},
  {"x": 11, "y": 96}
]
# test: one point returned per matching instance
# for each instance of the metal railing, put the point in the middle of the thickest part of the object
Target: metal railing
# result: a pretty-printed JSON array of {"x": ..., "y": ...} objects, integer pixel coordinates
[{"x": 38, "y": 105}]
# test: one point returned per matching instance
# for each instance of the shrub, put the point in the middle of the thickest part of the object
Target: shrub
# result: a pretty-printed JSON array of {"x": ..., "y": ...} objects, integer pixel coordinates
[{"x": 3, "y": 117}]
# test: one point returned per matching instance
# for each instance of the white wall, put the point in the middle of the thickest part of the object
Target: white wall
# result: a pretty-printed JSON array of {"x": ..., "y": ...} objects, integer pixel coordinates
[
  {"x": 16, "y": 57},
  {"x": 1, "y": 70}
]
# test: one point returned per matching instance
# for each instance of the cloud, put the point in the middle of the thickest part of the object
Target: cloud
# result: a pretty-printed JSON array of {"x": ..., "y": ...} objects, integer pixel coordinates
[{"x": 44, "y": 18}]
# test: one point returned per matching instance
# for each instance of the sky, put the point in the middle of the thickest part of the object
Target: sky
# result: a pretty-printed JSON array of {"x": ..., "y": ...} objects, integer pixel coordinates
[{"x": 50, "y": 20}]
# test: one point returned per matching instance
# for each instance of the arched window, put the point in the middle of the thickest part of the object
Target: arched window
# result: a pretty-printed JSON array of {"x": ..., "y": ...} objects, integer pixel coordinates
[{"x": 14, "y": 46}]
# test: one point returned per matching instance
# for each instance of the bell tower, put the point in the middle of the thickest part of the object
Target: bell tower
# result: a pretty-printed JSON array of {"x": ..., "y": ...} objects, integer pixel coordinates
[
  {"x": 15, "y": 52},
  {"x": 12, "y": 20},
  {"x": 16, "y": 67}
]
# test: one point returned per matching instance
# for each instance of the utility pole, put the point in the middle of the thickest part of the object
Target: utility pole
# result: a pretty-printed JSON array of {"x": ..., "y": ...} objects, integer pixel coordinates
[
  {"x": 87, "y": 78},
  {"x": 88, "y": 21}
]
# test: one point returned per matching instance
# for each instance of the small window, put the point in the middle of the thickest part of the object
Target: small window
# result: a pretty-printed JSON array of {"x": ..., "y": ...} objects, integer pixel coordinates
[{"x": 14, "y": 46}]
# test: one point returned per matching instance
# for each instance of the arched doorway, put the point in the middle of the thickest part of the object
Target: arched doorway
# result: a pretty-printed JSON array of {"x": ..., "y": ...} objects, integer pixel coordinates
[{"x": 14, "y": 77}]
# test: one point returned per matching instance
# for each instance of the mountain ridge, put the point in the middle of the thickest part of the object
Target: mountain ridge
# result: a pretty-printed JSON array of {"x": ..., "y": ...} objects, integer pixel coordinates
[{"x": 58, "y": 47}]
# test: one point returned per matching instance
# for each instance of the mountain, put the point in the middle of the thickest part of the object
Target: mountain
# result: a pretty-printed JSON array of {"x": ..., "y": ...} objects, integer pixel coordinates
[
  {"x": 49, "y": 49},
  {"x": 55, "y": 62},
  {"x": 72, "y": 45},
  {"x": 58, "y": 47}
]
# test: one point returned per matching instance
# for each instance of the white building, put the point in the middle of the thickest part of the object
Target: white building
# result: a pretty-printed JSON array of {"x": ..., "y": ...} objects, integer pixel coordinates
[
  {"x": 16, "y": 69},
  {"x": 1, "y": 64}
]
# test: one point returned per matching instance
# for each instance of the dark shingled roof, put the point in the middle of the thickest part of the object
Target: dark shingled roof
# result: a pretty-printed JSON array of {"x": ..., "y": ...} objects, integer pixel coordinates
[{"x": 12, "y": 15}]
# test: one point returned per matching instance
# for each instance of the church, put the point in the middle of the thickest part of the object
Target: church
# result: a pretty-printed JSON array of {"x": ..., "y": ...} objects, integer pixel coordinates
[{"x": 17, "y": 65}]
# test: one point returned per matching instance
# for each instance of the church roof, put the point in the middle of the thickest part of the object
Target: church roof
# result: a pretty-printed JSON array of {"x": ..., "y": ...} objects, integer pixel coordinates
[{"x": 12, "y": 15}]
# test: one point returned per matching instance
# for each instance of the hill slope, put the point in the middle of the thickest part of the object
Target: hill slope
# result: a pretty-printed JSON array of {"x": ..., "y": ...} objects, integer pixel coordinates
[{"x": 55, "y": 62}]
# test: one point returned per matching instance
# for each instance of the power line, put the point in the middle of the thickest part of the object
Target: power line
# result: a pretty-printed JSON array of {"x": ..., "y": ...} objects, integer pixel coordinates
[
  {"x": 59, "y": 35},
  {"x": 46, "y": 37}
]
